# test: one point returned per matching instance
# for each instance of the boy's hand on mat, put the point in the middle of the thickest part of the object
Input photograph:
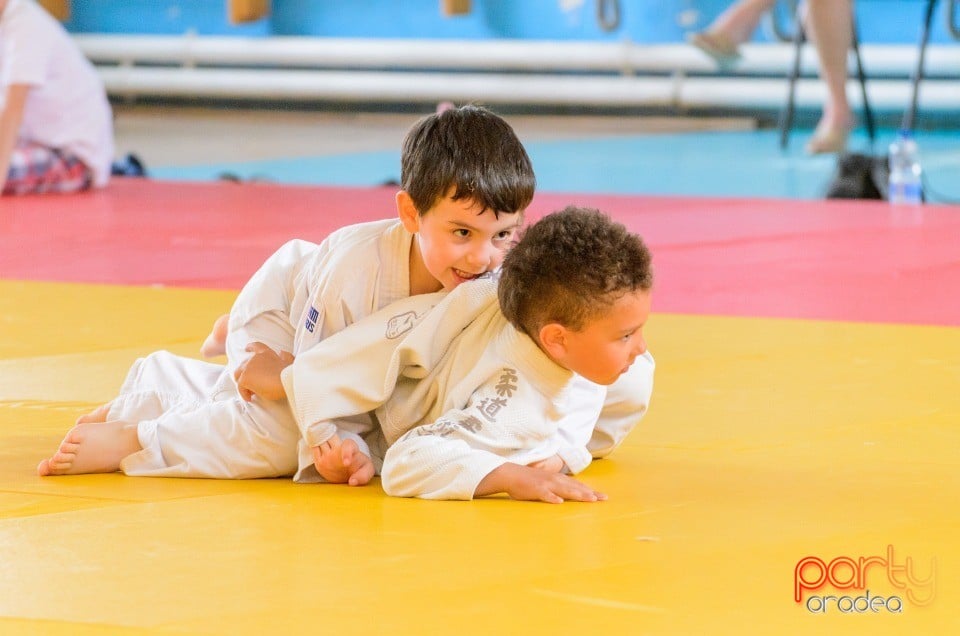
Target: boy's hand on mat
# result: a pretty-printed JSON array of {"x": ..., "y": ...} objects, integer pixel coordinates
[
  {"x": 260, "y": 374},
  {"x": 532, "y": 484},
  {"x": 551, "y": 464}
]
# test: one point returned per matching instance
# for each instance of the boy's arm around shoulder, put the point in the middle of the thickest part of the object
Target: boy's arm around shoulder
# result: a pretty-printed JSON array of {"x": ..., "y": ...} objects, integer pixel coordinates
[
  {"x": 353, "y": 371},
  {"x": 627, "y": 402},
  {"x": 356, "y": 370}
]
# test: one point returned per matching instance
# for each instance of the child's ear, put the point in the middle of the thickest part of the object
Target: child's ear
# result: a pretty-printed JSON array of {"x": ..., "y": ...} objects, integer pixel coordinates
[
  {"x": 553, "y": 339},
  {"x": 407, "y": 211}
]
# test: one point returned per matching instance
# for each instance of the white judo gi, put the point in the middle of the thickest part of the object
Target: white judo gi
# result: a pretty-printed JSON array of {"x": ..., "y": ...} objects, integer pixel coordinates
[
  {"x": 191, "y": 421},
  {"x": 457, "y": 391}
]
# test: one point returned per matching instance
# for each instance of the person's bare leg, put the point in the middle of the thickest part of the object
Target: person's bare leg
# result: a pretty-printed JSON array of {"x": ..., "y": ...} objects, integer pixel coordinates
[
  {"x": 740, "y": 20},
  {"x": 216, "y": 343},
  {"x": 92, "y": 447},
  {"x": 722, "y": 39},
  {"x": 830, "y": 26}
]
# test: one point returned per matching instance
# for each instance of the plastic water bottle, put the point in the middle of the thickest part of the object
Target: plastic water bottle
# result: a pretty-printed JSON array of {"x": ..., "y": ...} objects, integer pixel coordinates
[{"x": 905, "y": 173}]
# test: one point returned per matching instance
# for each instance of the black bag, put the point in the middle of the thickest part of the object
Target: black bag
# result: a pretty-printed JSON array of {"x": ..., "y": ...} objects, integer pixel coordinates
[
  {"x": 859, "y": 177},
  {"x": 129, "y": 166}
]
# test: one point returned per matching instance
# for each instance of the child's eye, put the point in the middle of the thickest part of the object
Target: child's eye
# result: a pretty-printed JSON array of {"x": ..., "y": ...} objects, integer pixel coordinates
[
  {"x": 504, "y": 235},
  {"x": 461, "y": 233}
]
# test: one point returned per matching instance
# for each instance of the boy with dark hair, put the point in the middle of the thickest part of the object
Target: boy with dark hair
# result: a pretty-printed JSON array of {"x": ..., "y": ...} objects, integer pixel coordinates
[
  {"x": 466, "y": 182},
  {"x": 495, "y": 377}
]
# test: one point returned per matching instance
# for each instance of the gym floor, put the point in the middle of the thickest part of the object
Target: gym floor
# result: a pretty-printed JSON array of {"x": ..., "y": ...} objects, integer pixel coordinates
[{"x": 803, "y": 420}]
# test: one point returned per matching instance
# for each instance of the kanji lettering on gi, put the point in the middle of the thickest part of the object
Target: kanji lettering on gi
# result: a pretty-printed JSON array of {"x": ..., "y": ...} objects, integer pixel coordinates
[
  {"x": 507, "y": 384},
  {"x": 471, "y": 423},
  {"x": 442, "y": 427},
  {"x": 489, "y": 407}
]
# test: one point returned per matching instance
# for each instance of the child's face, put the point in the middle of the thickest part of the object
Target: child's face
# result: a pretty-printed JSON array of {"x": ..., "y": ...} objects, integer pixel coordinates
[
  {"x": 457, "y": 243},
  {"x": 607, "y": 346}
]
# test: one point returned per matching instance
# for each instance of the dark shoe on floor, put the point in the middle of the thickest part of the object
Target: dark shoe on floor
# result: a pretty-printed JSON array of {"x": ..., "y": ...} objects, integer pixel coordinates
[{"x": 129, "y": 166}]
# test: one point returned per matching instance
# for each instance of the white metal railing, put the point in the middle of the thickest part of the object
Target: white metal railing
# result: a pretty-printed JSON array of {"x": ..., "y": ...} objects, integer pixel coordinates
[{"x": 533, "y": 72}]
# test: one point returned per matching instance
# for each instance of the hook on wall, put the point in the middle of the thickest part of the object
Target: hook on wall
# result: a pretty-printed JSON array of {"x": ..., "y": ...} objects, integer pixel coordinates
[{"x": 608, "y": 14}]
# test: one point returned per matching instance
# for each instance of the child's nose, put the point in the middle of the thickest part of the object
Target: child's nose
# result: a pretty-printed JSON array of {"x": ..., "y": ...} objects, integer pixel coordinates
[
  {"x": 640, "y": 346},
  {"x": 479, "y": 258}
]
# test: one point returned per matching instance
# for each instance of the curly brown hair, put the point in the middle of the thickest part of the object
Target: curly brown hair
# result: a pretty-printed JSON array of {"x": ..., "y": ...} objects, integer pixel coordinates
[
  {"x": 472, "y": 151},
  {"x": 569, "y": 267}
]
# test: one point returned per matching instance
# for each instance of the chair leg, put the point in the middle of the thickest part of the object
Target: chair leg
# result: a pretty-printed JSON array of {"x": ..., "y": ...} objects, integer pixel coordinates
[
  {"x": 910, "y": 115},
  {"x": 786, "y": 116}
]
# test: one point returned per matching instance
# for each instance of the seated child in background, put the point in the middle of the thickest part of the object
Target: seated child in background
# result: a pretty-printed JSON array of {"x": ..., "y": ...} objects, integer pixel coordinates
[
  {"x": 466, "y": 180},
  {"x": 56, "y": 128},
  {"x": 495, "y": 377}
]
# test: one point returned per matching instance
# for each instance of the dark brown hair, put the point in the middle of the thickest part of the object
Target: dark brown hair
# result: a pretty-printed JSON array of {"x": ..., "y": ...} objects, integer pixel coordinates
[
  {"x": 471, "y": 151},
  {"x": 569, "y": 267}
]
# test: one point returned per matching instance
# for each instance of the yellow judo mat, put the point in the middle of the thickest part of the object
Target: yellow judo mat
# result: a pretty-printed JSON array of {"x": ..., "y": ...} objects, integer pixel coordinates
[{"x": 779, "y": 457}]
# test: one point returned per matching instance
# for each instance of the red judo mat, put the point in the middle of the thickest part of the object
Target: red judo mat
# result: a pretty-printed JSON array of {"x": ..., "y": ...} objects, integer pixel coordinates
[{"x": 835, "y": 260}]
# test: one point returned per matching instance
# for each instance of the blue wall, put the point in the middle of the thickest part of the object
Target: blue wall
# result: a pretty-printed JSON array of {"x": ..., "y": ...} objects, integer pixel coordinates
[{"x": 646, "y": 21}]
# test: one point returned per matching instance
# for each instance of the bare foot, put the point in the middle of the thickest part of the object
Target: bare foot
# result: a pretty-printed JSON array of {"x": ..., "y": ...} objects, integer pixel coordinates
[
  {"x": 99, "y": 414},
  {"x": 92, "y": 447},
  {"x": 216, "y": 343},
  {"x": 342, "y": 462}
]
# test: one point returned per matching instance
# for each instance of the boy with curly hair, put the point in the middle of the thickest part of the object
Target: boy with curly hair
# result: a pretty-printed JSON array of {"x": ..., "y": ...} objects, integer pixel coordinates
[{"x": 477, "y": 392}]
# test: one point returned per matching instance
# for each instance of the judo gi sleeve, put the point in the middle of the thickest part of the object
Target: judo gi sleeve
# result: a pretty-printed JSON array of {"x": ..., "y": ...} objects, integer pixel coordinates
[
  {"x": 449, "y": 457},
  {"x": 582, "y": 410},
  {"x": 627, "y": 402},
  {"x": 351, "y": 372}
]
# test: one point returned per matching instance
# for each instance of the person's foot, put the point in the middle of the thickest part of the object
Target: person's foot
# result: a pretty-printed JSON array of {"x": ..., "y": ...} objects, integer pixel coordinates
[
  {"x": 216, "y": 343},
  {"x": 723, "y": 50},
  {"x": 830, "y": 136},
  {"x": 98, "y": 414},
  {"x": 92, "y": 447}
]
